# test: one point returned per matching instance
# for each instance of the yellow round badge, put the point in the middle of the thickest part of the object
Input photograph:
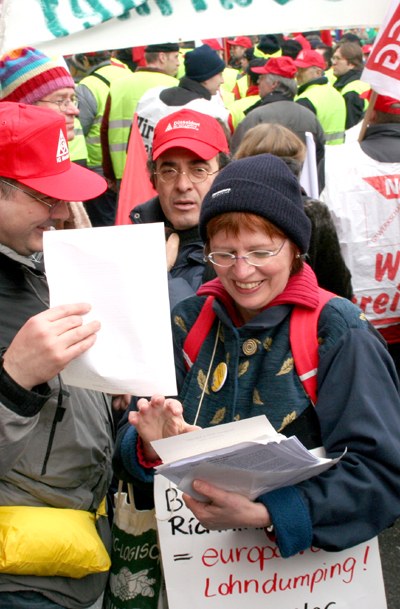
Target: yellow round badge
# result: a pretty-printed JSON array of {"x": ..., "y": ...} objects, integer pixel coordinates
[{"x": 219, "y": 376}]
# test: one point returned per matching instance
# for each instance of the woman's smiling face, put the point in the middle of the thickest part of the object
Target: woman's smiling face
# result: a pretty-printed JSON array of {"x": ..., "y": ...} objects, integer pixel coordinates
[{"x": 253, "y": 287}]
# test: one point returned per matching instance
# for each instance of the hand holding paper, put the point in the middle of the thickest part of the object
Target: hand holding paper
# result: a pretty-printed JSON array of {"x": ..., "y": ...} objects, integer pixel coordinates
[
  {"x": 48, "y": 342},
  {"x": 225, "y": 510},
  {"x": 247, "y": 457}
]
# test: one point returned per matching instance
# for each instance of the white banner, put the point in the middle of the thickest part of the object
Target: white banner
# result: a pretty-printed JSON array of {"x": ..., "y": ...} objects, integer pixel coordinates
[
  {"x": 230, "y": 569},
  {"x": 72, "y": 27},
  {"x": 382, "y": 70},
  {"x": 363, "y": 196}
]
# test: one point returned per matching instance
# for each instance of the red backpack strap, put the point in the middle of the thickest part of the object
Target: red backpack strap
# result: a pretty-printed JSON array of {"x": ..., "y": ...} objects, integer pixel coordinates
[
  {"x": 304, "y": 342},
  {"x": 198, "y": 332},
  {"x": 303, "y": 339}
]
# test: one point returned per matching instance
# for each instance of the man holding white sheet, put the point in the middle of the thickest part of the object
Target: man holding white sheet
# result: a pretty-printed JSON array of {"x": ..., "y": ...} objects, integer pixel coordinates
[{"x": 56, "y": 440}]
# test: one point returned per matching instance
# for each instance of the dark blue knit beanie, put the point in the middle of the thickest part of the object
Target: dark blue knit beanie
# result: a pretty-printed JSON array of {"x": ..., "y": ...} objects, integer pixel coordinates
[
  {"x": 203, "y": 63},
  {"x": 261, "y": 185}
]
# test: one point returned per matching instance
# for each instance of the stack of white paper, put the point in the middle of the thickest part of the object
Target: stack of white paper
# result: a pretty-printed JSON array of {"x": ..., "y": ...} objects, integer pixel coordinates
[{"x": 248, "y": 457}]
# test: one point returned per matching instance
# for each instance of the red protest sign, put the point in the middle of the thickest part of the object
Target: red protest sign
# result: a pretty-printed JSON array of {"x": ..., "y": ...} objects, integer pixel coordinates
[{"x": 382, "y": 69}]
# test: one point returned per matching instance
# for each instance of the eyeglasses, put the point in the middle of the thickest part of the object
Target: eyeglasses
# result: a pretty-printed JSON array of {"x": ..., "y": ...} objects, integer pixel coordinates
[
  {"x": 51, "y": 206},
  {"x": 63, "y": 104},
  {"x": 195, "y": 174},
  {"x": 256, "y": 258}
]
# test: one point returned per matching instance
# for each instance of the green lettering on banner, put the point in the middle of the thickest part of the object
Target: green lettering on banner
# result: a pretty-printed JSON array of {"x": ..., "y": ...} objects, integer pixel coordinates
[{"x": 54, "y": 13}]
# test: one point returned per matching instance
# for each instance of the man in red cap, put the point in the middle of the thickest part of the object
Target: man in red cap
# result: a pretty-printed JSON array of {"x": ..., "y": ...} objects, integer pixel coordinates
[
  {"x": 189, "y": 148},
  {"x": 277, "y": 89},
  {"x": 315, "y": 92},
  {"x": 238, "y": 46},
  {"x": 362, "y": 191},
  {"x": 55, "y": 440}
]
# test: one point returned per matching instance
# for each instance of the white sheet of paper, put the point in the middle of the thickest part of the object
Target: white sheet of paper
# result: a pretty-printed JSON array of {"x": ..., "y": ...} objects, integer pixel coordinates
[
  {"x": 214, "y": 438},
  {"x": 247, "y": 457},
  {"x": 121, "y": 271}
]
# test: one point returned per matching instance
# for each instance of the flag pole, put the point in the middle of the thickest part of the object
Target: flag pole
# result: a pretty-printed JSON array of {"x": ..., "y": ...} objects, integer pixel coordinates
[{"x": 367, "y": 116}]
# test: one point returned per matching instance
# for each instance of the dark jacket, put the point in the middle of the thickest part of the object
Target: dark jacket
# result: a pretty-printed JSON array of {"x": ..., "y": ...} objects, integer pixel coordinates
[
  {"x": 185, "y": 92},
  {"x": 358, "y": 410},
  {"x": 324, "y": 254},
  {"x": 189, "y": 270},
  {"x": 382, "y": 142},
  {"x": 355, "y": 106},
  {"x": 276, "y": 108}
]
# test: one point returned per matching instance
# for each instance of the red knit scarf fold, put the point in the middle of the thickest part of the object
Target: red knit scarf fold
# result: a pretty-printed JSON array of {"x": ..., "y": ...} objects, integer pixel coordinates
[{"x": 300, "y": 290}]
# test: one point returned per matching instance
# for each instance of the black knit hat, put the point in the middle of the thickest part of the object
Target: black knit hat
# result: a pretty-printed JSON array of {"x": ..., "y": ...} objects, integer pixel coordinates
[
  {"x": 268, "y": 43},
  {"x": 203, "y": 63},
  {"x": 261, "y": 185}
]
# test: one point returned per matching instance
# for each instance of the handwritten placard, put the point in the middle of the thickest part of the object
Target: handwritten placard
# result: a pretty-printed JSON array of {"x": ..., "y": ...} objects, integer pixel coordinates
[{"x": 243, "y": 568}]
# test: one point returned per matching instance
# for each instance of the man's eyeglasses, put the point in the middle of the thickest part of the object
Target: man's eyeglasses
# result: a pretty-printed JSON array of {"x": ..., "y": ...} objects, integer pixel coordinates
[
  {"x": 30, "y": 194},
  {"x": 63, "y": 104},
  {"x": 195, "y": 174},
  {"x": 256, "y": 258}
]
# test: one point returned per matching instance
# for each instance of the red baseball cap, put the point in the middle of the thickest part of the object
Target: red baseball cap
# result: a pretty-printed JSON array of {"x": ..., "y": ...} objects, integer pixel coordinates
[
  {"x": 367, "y": 48},
  {"x": 195, "y": 131},
  {"x": 307, "y": 59},
  {"x": 383, "y": 103},
  {"x": 282, "y": 66},
  {"x": 241, "y": 41},
  {"x": 213, "y": 43},
  {"x": 34, "y": 151}
]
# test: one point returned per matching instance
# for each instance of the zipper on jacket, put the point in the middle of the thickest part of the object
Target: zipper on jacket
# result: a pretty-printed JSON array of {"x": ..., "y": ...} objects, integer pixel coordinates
[{"x": 58, "y": 417}]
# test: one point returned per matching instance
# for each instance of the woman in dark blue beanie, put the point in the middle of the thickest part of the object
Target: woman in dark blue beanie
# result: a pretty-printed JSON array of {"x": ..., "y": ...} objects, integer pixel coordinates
[{"x": 247, "y": 363}]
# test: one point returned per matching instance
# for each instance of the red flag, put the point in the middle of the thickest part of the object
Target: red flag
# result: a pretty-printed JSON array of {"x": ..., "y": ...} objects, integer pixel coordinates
[
  {"x": 382, "y": 70},
  {"x": 135, "y": 185}
]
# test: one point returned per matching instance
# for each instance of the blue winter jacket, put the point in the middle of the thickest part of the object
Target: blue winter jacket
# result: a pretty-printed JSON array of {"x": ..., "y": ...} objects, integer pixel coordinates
[{"x": 358, "y": 410}]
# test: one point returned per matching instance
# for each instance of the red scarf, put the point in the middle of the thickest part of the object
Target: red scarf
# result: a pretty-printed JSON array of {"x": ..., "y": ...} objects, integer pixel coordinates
[{"x": 301, "y": 289}]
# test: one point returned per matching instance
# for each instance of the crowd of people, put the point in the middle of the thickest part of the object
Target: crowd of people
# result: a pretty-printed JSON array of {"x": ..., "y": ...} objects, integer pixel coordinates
[{"x": 250, "y": 253}]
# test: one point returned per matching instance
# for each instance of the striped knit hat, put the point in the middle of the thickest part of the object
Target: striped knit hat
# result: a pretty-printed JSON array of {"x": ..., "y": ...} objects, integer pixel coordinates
[{"x": 27, "y": 75}]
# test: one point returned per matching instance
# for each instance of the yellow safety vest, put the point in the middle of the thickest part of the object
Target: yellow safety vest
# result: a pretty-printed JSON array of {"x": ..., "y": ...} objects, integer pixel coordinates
[
  {"x": 125, "y": 94},
  {"x": 330, "y": 109},
  {"x": 359, "y": 87},
  {"x": 258, "y": 53},
  {"x": 230, "y": 76},
  {"x": 237, "y": 109},
  {"x": 77, "y": 146},
  {"x": 330, "y": 75},
  {"x": 99, "y": 86}
]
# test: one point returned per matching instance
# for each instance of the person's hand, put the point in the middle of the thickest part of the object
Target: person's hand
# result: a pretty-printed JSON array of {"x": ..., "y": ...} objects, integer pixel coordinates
[
  {"x": 47, "y": 342},
  {"x": 172, "y": 247},
  {"x": 158, "y": 418},
  {"x": 121, "y": 402},
  {"x": 224, "y": 509}
]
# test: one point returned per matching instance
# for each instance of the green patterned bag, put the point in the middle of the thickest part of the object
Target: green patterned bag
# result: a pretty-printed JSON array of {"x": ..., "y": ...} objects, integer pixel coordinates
[{"x": 135, "y": 575}]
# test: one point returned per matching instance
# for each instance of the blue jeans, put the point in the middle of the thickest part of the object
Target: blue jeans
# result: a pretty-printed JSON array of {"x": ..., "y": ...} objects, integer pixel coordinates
[{"x": 26, "y": 600}]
